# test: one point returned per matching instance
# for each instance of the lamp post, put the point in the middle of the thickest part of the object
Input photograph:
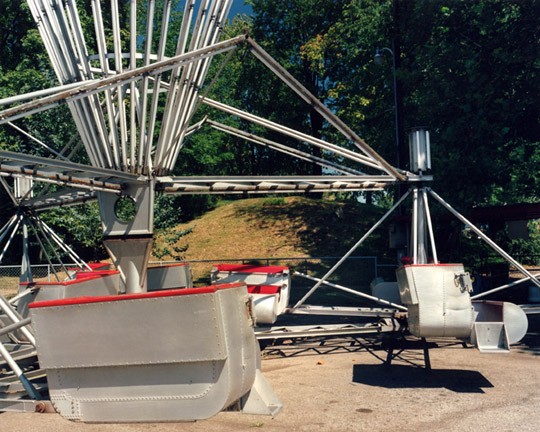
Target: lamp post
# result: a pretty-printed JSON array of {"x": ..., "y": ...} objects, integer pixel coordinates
[
  {"x": 378, "y": 59},
  {"x": 399, "y": 237}
]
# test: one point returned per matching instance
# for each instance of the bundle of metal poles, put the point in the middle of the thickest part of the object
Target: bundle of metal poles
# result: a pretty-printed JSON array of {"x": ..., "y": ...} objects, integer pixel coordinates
[{"x": 118, "y": 124}]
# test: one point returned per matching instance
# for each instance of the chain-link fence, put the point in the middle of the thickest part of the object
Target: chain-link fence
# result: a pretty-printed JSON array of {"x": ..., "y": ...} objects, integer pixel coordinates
[
  {"x": 10, "y": 275},
  {"x": 356, "y": 272}
]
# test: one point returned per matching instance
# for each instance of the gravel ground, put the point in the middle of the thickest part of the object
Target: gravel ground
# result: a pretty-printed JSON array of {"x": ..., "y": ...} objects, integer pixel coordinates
[{"x": 339, "y": 387}]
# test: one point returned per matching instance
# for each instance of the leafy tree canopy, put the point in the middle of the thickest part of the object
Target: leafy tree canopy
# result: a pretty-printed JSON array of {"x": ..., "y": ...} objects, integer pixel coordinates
[{"x": 468, "y": 70}]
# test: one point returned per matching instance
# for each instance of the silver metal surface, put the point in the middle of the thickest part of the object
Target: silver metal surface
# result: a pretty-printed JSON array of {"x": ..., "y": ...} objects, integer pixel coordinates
[
  {"x": 321, "y": 330},
  {"x": 531, "y": 309},
  {"x": 510, "y": 319},
  {"x": 438, "y": 304},
  {"x": 22, "y": 353},
  {"x": 130, "y": 255},
  {"x": 104, "y": 285},
  {"x": 15, "y": 326},
  {"x": 25, "y": 405},
  {"x": 343, "y": 311},
  {"x": 419, "y": 150},
  {"x": 154, "y": 369},
  {"x": 12, "y": 364},
  {"x": 16, "y": 318},
  {"x": 167, "y": 277},
  {"x": 490, "y": 337},
  {"x": 281, "y": 184},
  {"x": 66, "y": 168},
  {"x": 267, "y": 306}
]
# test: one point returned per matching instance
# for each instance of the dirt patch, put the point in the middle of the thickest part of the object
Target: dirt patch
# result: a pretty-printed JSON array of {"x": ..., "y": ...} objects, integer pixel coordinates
[{"x": 348, "y": 389}]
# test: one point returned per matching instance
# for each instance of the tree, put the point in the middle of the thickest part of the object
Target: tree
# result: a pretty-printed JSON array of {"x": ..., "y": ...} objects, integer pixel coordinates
[
  {"x": 292, "y": 32},
  {"x": 471, "y": 74},
  {"x": 469, "y": 71}
]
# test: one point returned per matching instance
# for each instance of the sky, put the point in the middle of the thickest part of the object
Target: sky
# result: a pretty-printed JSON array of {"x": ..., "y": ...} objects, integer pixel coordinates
[{"x": 238, "y": 6}]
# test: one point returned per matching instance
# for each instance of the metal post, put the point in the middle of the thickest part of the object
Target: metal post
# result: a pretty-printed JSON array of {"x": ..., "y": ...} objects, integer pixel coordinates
[
  {"x": 12, "y": 327},
  {"x": 5, "y": 229},
  {"x": 430, "y": 227},
  {"x": 18, "y": 219},
  {"x": 32, "y": 392},
  {"x": 414, "y": 226},
  {"x": 322, "y": 109},
  {"x": 15, "y": 318},
  {"x": 88, "y": 88},
  {"x": 23, "y": 293},
  {"x": 38, "y": 238},
  {"x": 354, "y": 292},
  {"x": 283, "y": 148},
  {"x": 422, "y": 248},
  {"x": 292, "y": 133},
  {"x": 39, "y": 224},
  {"x": 484, "y": 237},
  {"x": 76, "y": 258},
  {"x": 26, "y": 270},
  {"x": 502, "y": 287},
  {"x": 397, "y": 120}
]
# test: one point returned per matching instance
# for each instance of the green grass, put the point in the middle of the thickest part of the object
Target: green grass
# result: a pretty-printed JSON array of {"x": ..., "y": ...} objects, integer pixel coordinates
[{"x": 276, "y": 227}]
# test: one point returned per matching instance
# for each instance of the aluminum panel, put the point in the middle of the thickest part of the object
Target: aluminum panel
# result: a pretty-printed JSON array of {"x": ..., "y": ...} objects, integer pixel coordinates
[
  {"x": 267, "y": 308},
  {"x": 154, "y": 330},
  {"x": 439, "y": 305},
  {"x": 102, "y": 286},
  {"x": 149, "y": 357},
  {"x": 172, "y": 276}
]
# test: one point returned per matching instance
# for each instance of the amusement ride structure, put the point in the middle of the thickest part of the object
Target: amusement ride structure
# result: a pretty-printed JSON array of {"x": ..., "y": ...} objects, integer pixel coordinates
[{"x": 132, "y": 343}]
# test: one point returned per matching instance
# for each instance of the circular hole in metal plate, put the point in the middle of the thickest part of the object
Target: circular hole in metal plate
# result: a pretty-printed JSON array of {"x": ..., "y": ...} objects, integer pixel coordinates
[{"x": 125, "y": 209}]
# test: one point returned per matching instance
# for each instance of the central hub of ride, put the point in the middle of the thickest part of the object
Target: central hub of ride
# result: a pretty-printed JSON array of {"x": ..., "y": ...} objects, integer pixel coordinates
[{"x": 127, "y": 222}]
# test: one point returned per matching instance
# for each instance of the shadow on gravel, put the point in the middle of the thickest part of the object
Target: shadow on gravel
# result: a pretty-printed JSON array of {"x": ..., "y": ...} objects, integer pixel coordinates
[
  {"x": 403, "y": 376},
  {"x": 531, "y": 342}
]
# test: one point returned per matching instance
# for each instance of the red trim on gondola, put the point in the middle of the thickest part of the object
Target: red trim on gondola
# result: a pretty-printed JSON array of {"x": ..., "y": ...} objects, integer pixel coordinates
[
  {"x": 137, "y": 296},
  {"x": 80, "y": 276},
  {"x": 250, "y": 268}
]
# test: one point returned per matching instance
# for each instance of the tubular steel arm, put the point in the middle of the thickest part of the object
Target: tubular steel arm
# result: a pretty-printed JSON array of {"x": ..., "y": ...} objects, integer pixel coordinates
[{"x": 305, "y": 94}]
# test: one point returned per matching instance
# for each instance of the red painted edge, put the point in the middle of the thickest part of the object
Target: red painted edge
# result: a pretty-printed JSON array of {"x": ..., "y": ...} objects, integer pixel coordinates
[
  {"x": 250, "y": 268},
  {"x": 93, "y": 274},
  {"x": 81, "y": 276},
  {"x": 168, "y": 265},
  {"x": 94, "y": 266},
  {"x": 430, "y": 265},
  {"x": 138, "y": 296},
  {"x": 98, "y": 265}
]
